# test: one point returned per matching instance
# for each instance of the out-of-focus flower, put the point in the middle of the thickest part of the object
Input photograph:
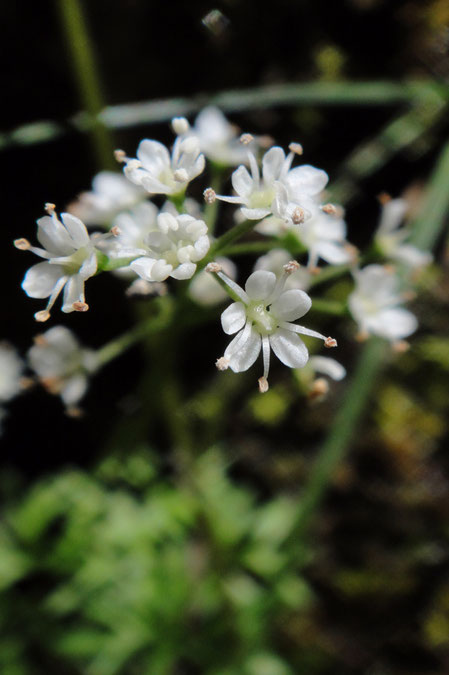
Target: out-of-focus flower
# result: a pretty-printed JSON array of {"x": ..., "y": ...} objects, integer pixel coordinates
[
  {"x": 172, "y": 249},
  {"x": 375, "y": 304},
  {"x": 205, "y": 290},
  {"x": 62, "y": 365},
  {"x": 157, "y": 171},
  {"x": 392, "y": 233},
  {"x": 284, "y": 192},
  {"x": 11, "y": 369},
  {"x": 275, "y": 260},
  {"x": 111, "y": 193},
  {"x": 262, "y": 320},
  {"x": 70, "y": 260},
  {"x": 218, "y": 139}
]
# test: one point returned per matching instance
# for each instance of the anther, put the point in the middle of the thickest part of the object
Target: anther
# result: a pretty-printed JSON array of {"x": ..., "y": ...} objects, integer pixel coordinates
[
  {"x": 263, "y": 385},
  {"x": 22, "y": 244},
  {"x": 115, "y": 231},
  {"x": 330, "y": 342},
  {"x": 181, "y": 175},
  {"x": 222, "y": 363},
  {"x": 246, "y": 139},
  {"x": 298, "y": 216},
  {"x": 319, "y": 388},
  {"x": 42, "y": 316},
  {"x": 362, "y": 336},
  {"x": 400, "y": 346},
  {"x": 331, "y": 209},
  {"x": 40, "y": 340},
  {"x": 120, "y": 156},
  {"x": 296, "y": 148},
  {"x": 79, "y": 306},
  {"x": 291, "y": 267},
  {"x": 213, "y": 267},
  {"x": 209, "y": 195},
  {"x": 180, "y": 125},
  {"x": 383, "y": 198},
  {"x": 50, "y": 208},
  {"x": 74, "y": 412}
]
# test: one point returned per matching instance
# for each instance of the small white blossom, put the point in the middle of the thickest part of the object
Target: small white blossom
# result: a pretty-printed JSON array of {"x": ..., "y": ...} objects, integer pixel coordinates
[
  {"x": 324, "y": 365},
  {"x": 218, "y": 139},
  {"x": 284, "y": 192},
  {"x": 111, "y": 193},
  {"x": 375, "y": 304},
  {"x": 324, "y": 236},
  {"x": 274, "y": 261},
  {"x": 11, "y": 368},
  {"x": 392, "y": 233},
  {"x": 172, "y": 249},
  {"x": 158, "y": 172},
  {"x": 262, "y": 320},
  {"x": 61, "y": 364},
  {"x": 70, "y": 260},
  {"x": 205, "y": 290}
]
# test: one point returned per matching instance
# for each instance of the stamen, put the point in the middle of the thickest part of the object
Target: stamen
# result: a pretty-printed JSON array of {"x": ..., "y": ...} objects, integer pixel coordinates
[
  {"x": 400, "y": 346},
  {"x": 384, "y": 198},
  {"x": 246, "y": 139},
  {"x": 296, "y": 148},
  {"x": 266, "y": 360},
  {"x": 50, "y": 208},
  {"x": 331, "y": 209},
  {"x": 362, "y": 336},
  {"x": 79, "y": 306},
  {"x": 330, "y": 342},
  {"x": 263, "y": 385},
  {"x": 42, "y": 316},
  {"x": 291, "y": 266},
  {"x": 180, "y": 125},
  {"x": 120, "y": 156},
  {"x": 214, "y": 268},
  {"x": 298, "y": 216},
  {"x": 209, "y": 195},
  {"x": 222, "y": 363},
  {"x": 40, "y": 340},
  {"x": 22, "y": 244},
  {"x": 319, "y": 389},
  {"x": 115, "y": 231}
]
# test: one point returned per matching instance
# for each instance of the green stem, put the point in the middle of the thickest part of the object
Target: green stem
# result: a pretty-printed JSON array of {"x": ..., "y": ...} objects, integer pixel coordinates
[
  {"x": 332, "y": 307},
  {"x": 231, "y": 235},
  {"x": 87, "y": 76}
]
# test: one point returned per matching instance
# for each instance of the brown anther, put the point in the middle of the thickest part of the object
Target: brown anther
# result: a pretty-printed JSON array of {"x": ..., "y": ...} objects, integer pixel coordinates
[
  {"x": 246, "y": 139},
  {"x": 408, "y": 296},
  {"x": 79, "y": 306},
  {"x": 390, "y": 269},
  {"x": 318, "y": 389},
  {"x": 209, "y": 195},
  {"x": 213, "y": 267},
  {"x": 22, "y": 244},
  {"x": 50, "y": 208},
  {"x": 265, "y": 141},
  {"x": 291, "y": 266},
  {"x": 115, "y": 231},
  {"x": 330, "y": 342},
  {"x": 42, "y": 316},
  {"x": 120, "y": 156},
  {"x": 52, "y": 384},
  {"x": 296, "y": 148},
  {"x": 26, "y": 383},
  {"x": 352, "y": 250},
  {"x": 400, "y": 346},
  {"x": 314, "y": 271},
  {"x": 298, "y": 216},
  {"x": 362, "y": 336},
  {"x": 40, "y": 340},
  {"x": 263, "y": 385},
  {"x": 74, "y": 412},
  {"x": 383, "y": 198},
  {"x": 331, "y": 209},
  {"x": 222, "y": 363}
]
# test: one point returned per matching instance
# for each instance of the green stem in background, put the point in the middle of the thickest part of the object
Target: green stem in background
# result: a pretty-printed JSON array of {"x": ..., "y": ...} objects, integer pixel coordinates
[
  {"x": 86, "y": 73},
  {"x": 331, "y": 307},
  {"x": 227, "y": 238}
]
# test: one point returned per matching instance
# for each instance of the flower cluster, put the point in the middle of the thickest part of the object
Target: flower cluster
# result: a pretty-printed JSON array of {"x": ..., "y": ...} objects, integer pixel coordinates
[{"x": 157, "y": 244}]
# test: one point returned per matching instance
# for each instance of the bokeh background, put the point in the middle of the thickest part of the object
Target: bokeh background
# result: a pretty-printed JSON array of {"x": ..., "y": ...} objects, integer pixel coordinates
[{"x": 127, "y": 549}]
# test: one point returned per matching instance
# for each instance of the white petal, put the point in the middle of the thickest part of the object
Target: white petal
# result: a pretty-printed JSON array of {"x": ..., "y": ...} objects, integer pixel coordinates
[
  {"x": 272, "y": 163},
  {"x": 53, "y": 236},
  {"x": 73, "y": 292},
  {"x": 89, "y": 267},
  {"x": 143, "y": 267},
  {"x": 393, "y": 324},
  {"x": 161, "y": 270},
  {"x": 327, "y": 366},
  {"x": 392, "y": 215},
  {"x": 332, "y": 253},
  {"x": 154, "y": 156},
  {"x": 291, "y": 305},
  {"x": 184, "y": 271},
  {"x": 76, "y": 229},
  {"x": 412, "y": 256},
  {"x": 289, "y": 348},
  {"x": 74, "y": 389},
  {"x": 201, "y": 246},
  {"x": 255, "y": 214},
  {"x": 242, "y": 182},
  {"x": 260, "y": 284},
  {"x": 306, "y": 180},
  {"x": 40, "y": 279},
  {"x": 233, "y": 318},
  {"x": 243, "y": 350}
]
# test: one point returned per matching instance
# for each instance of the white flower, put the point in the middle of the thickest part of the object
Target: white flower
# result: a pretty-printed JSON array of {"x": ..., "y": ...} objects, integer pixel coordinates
[
  {"x": 275, "y": 260},
  {"x": 375, "y": 304},
  {"x": 70, "y": 260},
  {"x": 218, "y": 139},
  {"x": 172, "y": 249},
  {"x": 111, "y": 193},
  {"x": 262, "y": 320},
  {"x": 205, "y": 290},
  {"x": 11, "y": 368},
  {"x": 390, "y": 236},
  {"x": 324, "y": 365},
  {"x": 132, "y": 226},
  {"x": 324, "y": 236},
  {"x": 157, "y": 171},
  {"x": 281, "y": 191},
  {"x": 61, "y": 364}
]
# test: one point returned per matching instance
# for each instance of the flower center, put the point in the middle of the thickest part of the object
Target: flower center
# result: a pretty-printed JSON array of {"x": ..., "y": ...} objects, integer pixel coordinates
[
  {"x": 262, "y": 199},
  {"x": 73, "y": 262},
  {"x": 263, "y": 321}
]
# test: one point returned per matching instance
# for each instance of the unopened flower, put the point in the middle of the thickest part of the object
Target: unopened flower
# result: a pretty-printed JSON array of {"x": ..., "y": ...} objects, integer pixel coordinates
[
  {"x": 111, "y": 193},
  {"x": 158, "y": 172},
  {"x": 281, "y": 191},
  {"x": 375, "y": 304},
  {"x": 173, "y": 248},
  {"x": 204, "y": 288},
  {"x": 218, "y": 138},
  {"x": 392, "y": 234},
  {"x": 61, "y": 364},
  {"x": 70, "y": 260},
  {"x": 262, "y": 319}
]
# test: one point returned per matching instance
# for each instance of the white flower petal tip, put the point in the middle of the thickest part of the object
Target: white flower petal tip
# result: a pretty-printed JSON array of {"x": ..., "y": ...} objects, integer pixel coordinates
[
  {"x": 330, "y": 342},
  {"x": 22, "y": 244},
  {"x": 209, "y": 195},
  {"x": 222, "y": 363},
  {"x": 263, "y": 385},
  {"x": 42, "y": 316},
  {"x": 80, "y": 306},
  {"x": 213, "y": 268},
  {"x": 318, "y": 390}
]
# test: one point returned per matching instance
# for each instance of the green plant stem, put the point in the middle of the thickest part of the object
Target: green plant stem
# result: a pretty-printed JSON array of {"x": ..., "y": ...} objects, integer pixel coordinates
[
  {"x": 331, "y": 307},
  {"x": 227, "y": 238},
  {"x": 87, "y": 77}
]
